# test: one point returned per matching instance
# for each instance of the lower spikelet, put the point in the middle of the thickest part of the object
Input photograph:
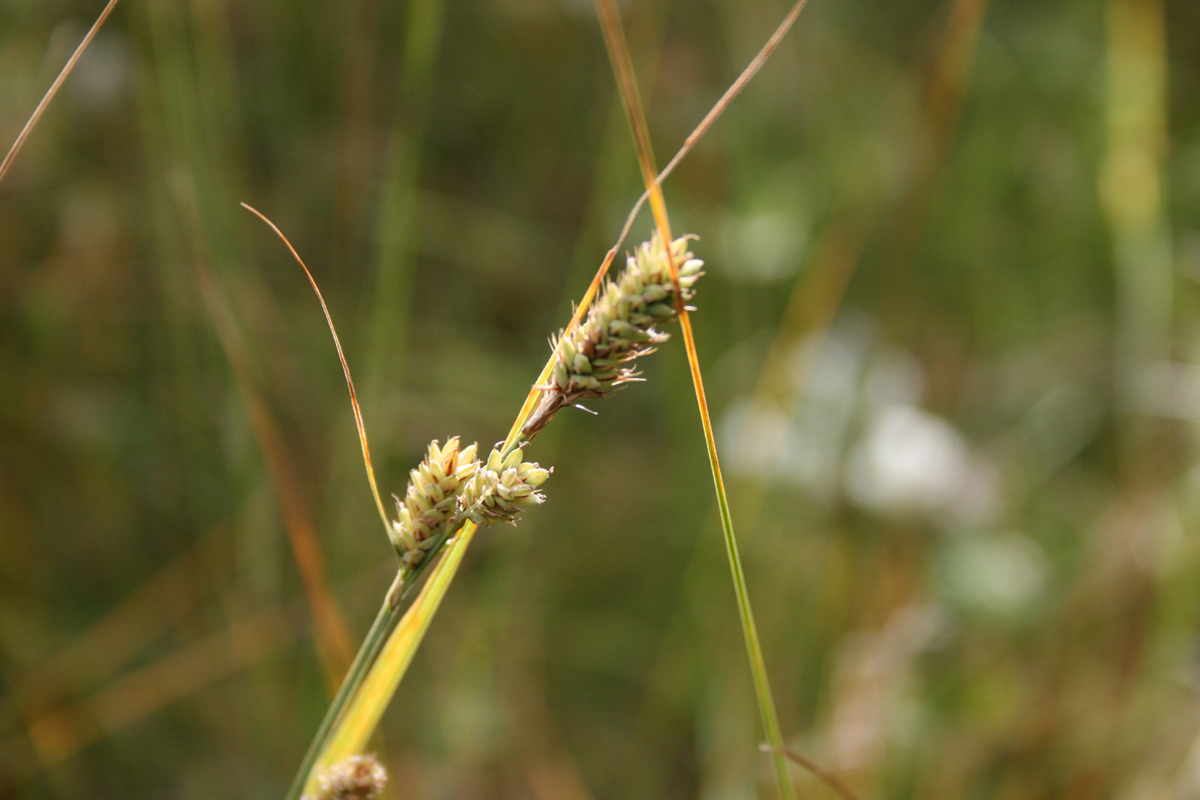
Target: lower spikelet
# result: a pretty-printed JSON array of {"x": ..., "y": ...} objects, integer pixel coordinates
[
  {"x": 432, "y": 498},
  {"x": 621, "y": 325},
  {"x": 451, "y": 486},
  {"x": 355, "y": 778}
]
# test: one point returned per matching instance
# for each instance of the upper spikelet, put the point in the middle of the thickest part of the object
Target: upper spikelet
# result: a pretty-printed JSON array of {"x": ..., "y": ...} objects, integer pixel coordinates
[{"x": 620, "y": 326}]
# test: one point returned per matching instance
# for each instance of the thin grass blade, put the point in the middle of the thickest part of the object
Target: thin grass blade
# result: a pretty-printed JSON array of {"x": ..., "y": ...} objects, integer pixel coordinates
[
  {"x": 614, "y": 37},
  {"x": 358, "y": 420}
]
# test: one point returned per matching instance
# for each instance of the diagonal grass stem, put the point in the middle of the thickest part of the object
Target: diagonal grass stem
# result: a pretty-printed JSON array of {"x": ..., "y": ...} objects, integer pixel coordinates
[{"x": 614, "y": 37}]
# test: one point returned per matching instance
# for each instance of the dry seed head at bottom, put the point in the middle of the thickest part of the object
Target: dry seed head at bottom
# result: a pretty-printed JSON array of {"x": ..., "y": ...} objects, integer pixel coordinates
[{"x": 359, "y": 777}]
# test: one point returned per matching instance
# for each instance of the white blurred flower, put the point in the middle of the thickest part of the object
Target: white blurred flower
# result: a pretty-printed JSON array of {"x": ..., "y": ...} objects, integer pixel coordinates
[
  {"x": 908, "y": 461},
  {"x": 764, "y": 246},
  {"x": 800, "y": 441}
]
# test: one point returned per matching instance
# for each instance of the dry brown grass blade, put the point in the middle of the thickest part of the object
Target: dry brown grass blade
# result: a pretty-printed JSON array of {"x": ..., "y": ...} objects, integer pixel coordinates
[
  {"x": 944, "y": 90},
  {"x": 358, "y": 420},
  {"x": 54, "y": 87},
  {"x": 333, "y": 638},
  {"x": 332, "y": 635},
  {"x": 734, "y": 89},
  {"x": 62, "y": 733},
  {"x": 713, "y": 115}
]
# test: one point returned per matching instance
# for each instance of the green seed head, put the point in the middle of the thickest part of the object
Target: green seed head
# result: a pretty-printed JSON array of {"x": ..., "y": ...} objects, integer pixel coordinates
[{"x": 621, "y": 325}]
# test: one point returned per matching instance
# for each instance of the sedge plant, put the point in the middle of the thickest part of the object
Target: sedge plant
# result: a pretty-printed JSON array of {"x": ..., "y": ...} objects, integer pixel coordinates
[
  {"x": 451, "y": 493},
  {"x": 454, "y": 491}
]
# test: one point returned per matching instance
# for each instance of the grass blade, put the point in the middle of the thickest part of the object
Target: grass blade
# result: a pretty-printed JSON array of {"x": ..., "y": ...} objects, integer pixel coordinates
[
  {"x": 332, "y": 636},
  {"x": 367, "y": 656},
  {"x": 362, "y": 714},
  {"x": 614, "y": 37},
  {"x": 358, "y": 420}
]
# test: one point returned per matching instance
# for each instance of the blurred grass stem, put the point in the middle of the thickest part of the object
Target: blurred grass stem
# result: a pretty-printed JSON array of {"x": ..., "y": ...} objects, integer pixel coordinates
[
  {"x": 54, "y": 87},
  {"x": 1133, "y": 200},
  {"x": 828, "y": 778}
]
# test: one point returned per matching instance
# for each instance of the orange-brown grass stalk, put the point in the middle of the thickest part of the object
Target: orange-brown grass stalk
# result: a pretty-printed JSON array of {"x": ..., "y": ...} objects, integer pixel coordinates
[{"x": 614, "y": 37}]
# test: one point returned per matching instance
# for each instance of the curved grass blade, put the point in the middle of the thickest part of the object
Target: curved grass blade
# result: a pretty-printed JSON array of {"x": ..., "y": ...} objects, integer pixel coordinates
[
  {"x": 332, "y": 636},
  {"x": 358, "y": 420}
]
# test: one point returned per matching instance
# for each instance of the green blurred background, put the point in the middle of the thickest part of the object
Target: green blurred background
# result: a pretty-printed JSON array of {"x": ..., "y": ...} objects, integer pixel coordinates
[{"x": 949, "y": 328}]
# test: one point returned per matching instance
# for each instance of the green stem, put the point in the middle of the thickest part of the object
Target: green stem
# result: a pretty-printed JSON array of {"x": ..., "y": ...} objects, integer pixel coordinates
[
  {"x": 367, "y": 654},
  {"x": 758, "y": 666},
  {"x": 762, "y": 687}
]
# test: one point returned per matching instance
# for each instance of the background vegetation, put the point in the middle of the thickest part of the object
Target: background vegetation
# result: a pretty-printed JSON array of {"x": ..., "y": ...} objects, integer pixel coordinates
[{"x": 949, "y": 330}]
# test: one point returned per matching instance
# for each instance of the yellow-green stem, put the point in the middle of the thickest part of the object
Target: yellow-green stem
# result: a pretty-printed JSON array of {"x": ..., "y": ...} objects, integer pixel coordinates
[
  {"x": 367, "y": 655},
  {"x": 367, "y": 705},
  {"x": 623, "y": 67}
]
